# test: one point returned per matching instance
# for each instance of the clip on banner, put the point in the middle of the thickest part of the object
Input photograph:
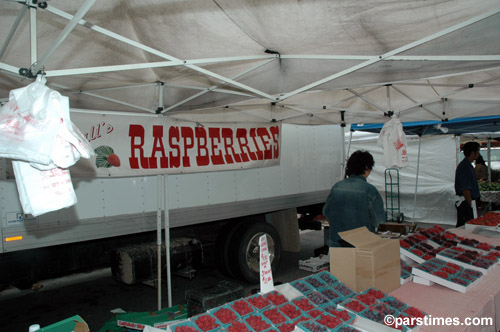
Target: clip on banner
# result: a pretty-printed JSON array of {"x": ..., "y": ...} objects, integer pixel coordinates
[{"x": 266, "y": 273}]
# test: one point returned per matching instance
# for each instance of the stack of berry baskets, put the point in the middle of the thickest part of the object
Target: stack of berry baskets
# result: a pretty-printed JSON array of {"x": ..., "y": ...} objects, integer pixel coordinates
[
  {"x": 224, "y": 315},
  {"x": 258, "y": 322},
  {"x": 184, "y": 326},
  {"x": 259, "y": 302},
  {"x": 448, "y": 274},
  {"x": 469, "y": 259},
  {"x": 205, "y": 322},
  {"x": 405, "y": 272}
]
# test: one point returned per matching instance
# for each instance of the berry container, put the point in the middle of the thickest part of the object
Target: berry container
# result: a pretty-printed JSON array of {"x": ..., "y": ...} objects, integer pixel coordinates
[
  {"x": 330, "y": 321},
  {"x": 274, "y": 316},
  {"x": 311, "y": 326},
  {"x": 327, "y": 277},
  {"x": 224, "y": 315},
  {"x": 345, "y": 328},
  {"x": 205, "y": 322},
  {"x": 301, "y": 286},
  {"x": 290, "y": 310},
  {"x": 276, "y": 298},
  {"x": 331, "y": 294},
  {"x": 238, "y": 326},
  {"x": 241, "y": 307},
  {"x": 286, "y": 326},
  {"x": 303, "y": 303},
  {"x": 259, "y": 302},
  {"x": 317, "y": 298},
  {"x": 257, "y": 322},
  {"x": 184, "y": 326},
  {"x": 314, "y": 281}
]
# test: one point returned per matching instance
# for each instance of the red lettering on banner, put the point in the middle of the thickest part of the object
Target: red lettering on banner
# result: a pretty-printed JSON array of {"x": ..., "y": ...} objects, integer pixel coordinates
[
  {"x": 227, "y": 134},
  {"x": 188, "y": 136},
  {"x": 275, "y": 132},
  {"x": 265, "y": 139},
  {"x": 173, "y": 132},
  {"x": 158, "y": 147},
  {"x": 213, "y": 146},
  {"x": 241, "y": 135},
  {"x": 214, "y": 135},
  {"x": 202, "y": 158},
  {"x": 137, "y": 132},
  {"x": 253, "y": 135}
]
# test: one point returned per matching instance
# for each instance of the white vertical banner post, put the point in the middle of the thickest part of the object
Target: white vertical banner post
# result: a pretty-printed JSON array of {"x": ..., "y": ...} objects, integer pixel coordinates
[
  {"x": 159, "y": 205},
  {"x": 266, "y": 273},
  {"x": 167, "y": 240}
]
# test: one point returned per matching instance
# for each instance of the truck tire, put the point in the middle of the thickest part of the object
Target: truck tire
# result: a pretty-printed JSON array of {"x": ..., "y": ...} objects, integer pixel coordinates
[{"x": 243, "y": 254}]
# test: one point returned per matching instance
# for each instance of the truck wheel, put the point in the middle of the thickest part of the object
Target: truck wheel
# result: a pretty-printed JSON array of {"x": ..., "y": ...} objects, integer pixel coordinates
[{"x": 244, "y": 250}]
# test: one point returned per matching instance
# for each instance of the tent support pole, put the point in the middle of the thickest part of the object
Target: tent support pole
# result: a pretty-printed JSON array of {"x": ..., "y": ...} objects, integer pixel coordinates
[
  {"x": 33, "y": 36},
  {"x": 167, "y": 241},
  {"x": 342, "y": 151},
  {"x": 488, "y": 142},
  {"x": 159, "y": 205},
  {"x": 416, "y": 180}
]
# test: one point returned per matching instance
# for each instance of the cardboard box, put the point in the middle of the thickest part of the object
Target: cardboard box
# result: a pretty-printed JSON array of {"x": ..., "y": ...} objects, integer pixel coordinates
[{"x": 373, "y": 262}]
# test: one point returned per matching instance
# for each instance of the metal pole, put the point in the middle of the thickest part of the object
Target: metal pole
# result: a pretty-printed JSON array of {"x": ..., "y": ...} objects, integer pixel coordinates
[
  {"x": 416, "y": 181},
  {"x": 66, "y": 31},
  {"x": 342, "y": 152},
  {"x": 167, "y": 241},
  {"x": 159, "y": 204},
  {"x": 489, "y": 159},
  {"x": 33, "y": 36}
]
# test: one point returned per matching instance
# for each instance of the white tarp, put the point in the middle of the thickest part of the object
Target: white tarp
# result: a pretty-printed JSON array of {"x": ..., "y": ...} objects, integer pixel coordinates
[
  {"x": 303, "y": 62},
  {"x": 436, "y": 197}
]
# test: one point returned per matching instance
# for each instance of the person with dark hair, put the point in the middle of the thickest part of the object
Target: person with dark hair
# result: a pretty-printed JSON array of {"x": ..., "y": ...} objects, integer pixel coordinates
[
  {"x": 466, "y": 184},
  {"x": 353, "y": 202},
  {"x": 481, "y": 170}
]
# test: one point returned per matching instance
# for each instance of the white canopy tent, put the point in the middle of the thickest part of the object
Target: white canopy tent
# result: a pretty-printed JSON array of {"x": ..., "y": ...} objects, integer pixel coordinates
[{"x": 302, "y": 62}]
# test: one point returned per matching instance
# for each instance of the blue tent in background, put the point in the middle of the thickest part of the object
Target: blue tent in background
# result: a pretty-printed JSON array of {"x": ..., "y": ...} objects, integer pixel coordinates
[{"x": 458, "y": 126}]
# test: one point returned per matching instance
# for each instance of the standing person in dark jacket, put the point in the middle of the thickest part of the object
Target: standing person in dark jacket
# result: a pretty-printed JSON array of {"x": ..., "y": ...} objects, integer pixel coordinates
[
  {"x": 466, "y": 184},
  {"x": 353, "y": 202}
]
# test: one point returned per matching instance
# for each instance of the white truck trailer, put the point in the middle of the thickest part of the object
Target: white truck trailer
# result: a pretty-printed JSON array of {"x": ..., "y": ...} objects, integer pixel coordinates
[{"x": 237, "y": 202}]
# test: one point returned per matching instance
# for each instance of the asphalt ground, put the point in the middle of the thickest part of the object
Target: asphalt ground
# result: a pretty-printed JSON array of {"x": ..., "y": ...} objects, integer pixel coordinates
[{"x": 96, "y": 294}]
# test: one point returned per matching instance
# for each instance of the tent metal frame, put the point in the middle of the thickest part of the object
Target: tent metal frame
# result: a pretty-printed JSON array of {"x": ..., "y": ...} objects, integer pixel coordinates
[{"x": 77, "y": 19}]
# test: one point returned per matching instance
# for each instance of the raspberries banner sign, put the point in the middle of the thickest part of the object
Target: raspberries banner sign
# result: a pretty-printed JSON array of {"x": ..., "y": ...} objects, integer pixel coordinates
[{"x": 131, "y": 146}]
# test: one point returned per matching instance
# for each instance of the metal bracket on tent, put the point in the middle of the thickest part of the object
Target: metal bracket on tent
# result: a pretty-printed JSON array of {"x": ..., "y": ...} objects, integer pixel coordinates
[
  {"x": 389, "y": 114},
  {"x": 342, "y": 120},
  {"x": 159, "y": 110},
  {"x": 42, "y": 4},
  {"x": 29, "y": 72}
]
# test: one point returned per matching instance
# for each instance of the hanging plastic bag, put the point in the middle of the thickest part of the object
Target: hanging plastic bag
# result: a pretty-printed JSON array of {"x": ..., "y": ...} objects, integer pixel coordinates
[
  {"x": 43, "y": 191},
  {"x": 28, "y": 125},
  {"x": 392, "y": 139}
]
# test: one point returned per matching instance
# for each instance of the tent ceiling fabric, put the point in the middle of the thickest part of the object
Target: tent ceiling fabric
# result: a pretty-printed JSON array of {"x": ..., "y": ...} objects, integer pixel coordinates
[{"x": 327, "y": 61}]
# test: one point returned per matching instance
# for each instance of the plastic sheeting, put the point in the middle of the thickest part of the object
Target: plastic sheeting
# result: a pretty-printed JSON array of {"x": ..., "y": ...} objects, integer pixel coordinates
[{"x": 435, "y": 192}]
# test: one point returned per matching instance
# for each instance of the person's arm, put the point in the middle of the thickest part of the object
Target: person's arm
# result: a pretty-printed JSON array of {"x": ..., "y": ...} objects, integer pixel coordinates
[{"x": 467, "y": 196}]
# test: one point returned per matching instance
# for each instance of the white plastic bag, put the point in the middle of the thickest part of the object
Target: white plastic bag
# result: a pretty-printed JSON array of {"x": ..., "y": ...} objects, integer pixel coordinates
[
  {"x": 43, "y": 191},
  {"x": 28, "y": 134},
  {"x": 393, "y": 141}
]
